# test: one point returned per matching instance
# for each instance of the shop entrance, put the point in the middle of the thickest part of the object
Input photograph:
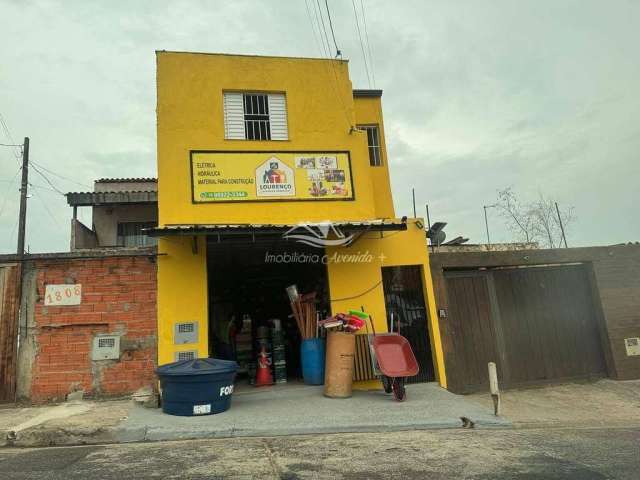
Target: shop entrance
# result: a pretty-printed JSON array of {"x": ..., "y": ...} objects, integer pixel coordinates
[
  {"x": 404, "y": 301},
  {"x": 249, "y": 305}
]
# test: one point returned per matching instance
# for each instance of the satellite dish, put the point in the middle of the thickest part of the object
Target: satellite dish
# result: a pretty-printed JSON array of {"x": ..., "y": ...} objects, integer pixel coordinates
[{"x": 436, "y": 233}]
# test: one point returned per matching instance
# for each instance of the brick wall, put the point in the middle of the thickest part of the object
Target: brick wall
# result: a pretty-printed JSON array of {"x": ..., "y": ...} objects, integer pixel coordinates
[{"x": 118, "y": 297}]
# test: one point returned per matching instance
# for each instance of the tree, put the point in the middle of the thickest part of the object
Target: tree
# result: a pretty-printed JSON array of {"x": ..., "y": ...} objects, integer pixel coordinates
[{"x": 536, "y": 221}]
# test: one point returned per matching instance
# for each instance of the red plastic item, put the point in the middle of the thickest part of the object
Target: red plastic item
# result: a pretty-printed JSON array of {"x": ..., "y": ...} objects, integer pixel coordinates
[
  {"x": 263, "y": 375},
  {"x": 394, "y": 355}
]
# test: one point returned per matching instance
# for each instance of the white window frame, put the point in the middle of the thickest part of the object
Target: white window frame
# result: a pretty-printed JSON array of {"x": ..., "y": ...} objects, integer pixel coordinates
[
  {"x": 375, "y": 151},
  {"x": 236, "y": 124}
]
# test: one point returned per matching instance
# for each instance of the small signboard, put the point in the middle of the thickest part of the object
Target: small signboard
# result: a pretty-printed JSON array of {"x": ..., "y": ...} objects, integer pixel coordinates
[
  {"x": 633, "y": 346},
  {"x": 63, "y": 294}
]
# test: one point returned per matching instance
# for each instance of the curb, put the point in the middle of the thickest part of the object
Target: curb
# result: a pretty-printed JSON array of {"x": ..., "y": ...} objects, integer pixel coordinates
[{"x": 66, "y": 437}]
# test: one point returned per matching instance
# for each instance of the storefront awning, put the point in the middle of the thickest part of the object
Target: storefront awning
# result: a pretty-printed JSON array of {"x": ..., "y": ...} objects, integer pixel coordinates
[{"x": 270, "y": 229}]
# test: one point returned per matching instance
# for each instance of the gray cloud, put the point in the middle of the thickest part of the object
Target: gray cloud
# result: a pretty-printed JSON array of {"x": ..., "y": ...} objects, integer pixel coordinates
[{"x": 478, "y": 96}]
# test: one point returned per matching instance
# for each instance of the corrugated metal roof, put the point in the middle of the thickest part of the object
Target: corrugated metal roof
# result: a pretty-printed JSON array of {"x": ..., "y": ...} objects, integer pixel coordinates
[
  {"x": 84, "y": 199},
  {"x": 203, "y": 229},
  {"x": 127, "y": 180}
]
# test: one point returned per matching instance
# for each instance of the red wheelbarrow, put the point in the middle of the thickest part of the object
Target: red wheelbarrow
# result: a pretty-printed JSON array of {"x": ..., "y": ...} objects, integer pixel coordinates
[{"x": 393, "y": 360}]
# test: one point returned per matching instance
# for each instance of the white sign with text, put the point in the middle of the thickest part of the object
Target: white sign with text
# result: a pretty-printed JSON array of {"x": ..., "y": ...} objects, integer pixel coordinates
[{"x": 63, "y": 294}]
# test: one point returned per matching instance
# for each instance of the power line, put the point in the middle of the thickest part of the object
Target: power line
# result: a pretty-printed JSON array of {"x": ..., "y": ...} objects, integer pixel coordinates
[
  {"x": 313, "y": 27},
  {"x": 46, "y": 179},
  {"x": 17, "y": 154},
  {"x": 10, "y": 145},
  {"x": 323, "y": 31},
  {"x": 364, "y": 56},
  {"x": 327, "y": 48},
  {"x": 42, "y": 187},
  {"x": 6, "y": 197},
  {"x": 369, "y": 49},
  {"x": 47, "y": 210},
  {"x": 333, "y": 35},
  {"x": 13, "y": 230},
  {"x": 60, "y": 176}
]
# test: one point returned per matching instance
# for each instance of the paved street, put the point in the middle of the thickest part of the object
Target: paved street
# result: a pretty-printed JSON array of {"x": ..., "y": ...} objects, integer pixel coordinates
[{"x": 580, "y": 454}]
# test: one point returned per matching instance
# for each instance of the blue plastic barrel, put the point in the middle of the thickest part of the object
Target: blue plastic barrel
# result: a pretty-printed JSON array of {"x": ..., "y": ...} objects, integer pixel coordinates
[
  {"x": 197, "y": 387},
  {"x": 312, "y": 359}
]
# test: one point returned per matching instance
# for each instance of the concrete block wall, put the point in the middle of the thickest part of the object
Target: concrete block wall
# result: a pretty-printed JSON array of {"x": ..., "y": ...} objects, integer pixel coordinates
[{"x": 119, "y": 298}]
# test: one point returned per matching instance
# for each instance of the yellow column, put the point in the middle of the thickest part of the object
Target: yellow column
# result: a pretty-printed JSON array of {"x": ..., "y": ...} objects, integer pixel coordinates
[
  {"x": 182, "y": 294},
  {"x": 353, "y": 284}
]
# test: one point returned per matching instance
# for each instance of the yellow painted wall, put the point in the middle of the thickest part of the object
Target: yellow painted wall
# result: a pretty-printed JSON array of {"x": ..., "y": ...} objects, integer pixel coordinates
[
  {"x": 320, "y": 108},
  {"x": 369, "y": 112},
  {"x": 182, "y": 294},
  {"x": 321, "y": 111},
  {"x": 352, "y": 285}
]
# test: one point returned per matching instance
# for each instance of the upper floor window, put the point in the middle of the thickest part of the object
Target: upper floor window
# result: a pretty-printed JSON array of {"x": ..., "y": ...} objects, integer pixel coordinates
[
  {"x": 255, "y": 116},
  {"x": 373, "y": 142},
  {"x": 130, "y": 234}
]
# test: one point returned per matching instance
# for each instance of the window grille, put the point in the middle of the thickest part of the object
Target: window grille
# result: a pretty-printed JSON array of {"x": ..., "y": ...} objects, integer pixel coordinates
[
  {"x": 130, "y": 234},
  {"x": 256, "y": 117}
]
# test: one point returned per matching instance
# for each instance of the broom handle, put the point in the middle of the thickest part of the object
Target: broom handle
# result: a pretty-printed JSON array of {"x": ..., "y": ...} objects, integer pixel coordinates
[{"x": 371, "y": 320}]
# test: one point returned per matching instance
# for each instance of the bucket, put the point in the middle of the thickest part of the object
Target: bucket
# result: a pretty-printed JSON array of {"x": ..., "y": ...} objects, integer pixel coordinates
[
  {"x": 312, "y": 359},
  {"x": 341, "y": 348}
]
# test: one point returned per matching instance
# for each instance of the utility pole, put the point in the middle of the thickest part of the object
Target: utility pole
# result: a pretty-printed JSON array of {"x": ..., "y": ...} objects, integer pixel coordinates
[
  {"x": 429, "y": 226},
  {"x": 22, "y": 219},
  {"x": 413, "y": 194},
  {"x": 486, "y": 224},
  {"x": 561, "y": 226}
]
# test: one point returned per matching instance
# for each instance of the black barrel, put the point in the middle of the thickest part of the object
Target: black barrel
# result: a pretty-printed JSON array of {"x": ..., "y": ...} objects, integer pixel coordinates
[{"x": 197, "y": 387}]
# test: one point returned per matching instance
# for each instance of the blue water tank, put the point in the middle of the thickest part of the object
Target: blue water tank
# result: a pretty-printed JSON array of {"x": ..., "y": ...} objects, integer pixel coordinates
[
  {"x": 312, "y": 359},
  {"x": 197, "y": 387}
]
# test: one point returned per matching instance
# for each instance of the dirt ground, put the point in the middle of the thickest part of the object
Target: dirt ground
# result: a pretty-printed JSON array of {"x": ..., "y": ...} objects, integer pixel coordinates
[{"x": 599, "y": 403}]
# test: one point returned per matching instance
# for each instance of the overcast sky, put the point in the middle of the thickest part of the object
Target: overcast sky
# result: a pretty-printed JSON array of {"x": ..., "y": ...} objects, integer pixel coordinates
[{"x": 478, "y": 96}]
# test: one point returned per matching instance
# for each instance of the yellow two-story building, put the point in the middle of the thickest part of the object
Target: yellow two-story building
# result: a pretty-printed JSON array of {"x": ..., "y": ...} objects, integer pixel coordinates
[{"x": 271, "y": 172}]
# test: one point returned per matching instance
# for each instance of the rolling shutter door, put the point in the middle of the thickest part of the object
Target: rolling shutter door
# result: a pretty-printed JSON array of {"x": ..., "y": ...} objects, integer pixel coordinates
[{"x": 233, "y": 116}]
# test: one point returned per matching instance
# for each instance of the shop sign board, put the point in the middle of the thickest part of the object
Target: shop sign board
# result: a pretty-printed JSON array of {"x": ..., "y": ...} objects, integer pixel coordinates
[
  {"x": 266, "y": 176},
  {"x": 69, "y": 294}
]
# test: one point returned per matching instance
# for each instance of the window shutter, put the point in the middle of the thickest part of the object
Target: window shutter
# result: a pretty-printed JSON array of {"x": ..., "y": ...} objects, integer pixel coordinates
[
  {"x": 233, "y": 116},
  {"x": 278, "y": 116}
]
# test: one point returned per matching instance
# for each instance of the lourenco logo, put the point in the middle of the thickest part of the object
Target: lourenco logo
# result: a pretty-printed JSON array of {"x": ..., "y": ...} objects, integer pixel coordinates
[
  {"x": 275, "y": 178},
  {"x": 317, "y": 235}
]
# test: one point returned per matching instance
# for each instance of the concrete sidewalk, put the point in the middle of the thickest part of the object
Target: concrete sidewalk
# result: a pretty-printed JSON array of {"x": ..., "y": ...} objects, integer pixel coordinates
[
  {"x": 304, "y": 410},
  {"x": 281, "y": 410},
  {"x": 298, "y": 409}
]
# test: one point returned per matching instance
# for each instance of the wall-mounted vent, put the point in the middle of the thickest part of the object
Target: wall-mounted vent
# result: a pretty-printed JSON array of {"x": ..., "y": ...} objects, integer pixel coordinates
[
  {"x": 106, "y": 347},
  {"x": 186, "y": 332},
  {"x": 186, "y": 328},
  {"x": 108, "y": 342},
  {"x": 190, "y": 355}
]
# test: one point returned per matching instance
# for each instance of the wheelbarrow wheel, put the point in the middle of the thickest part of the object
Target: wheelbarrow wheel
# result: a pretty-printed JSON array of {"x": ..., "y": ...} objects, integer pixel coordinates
[
  {"x": 387, "y": 384},
  {"x": 399, "y": 392}
]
